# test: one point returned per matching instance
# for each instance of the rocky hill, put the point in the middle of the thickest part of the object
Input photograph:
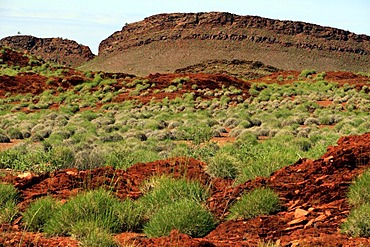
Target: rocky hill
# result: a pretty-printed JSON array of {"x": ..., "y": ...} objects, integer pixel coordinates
[
  {"x": 57, "y": 50},
  {"x": 166, "y": 42}
]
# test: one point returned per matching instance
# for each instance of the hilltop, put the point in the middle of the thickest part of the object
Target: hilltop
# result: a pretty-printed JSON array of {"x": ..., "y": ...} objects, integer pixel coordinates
[
  {"x": 57, "y": 50},
  {"x": 166, "y": 42}
]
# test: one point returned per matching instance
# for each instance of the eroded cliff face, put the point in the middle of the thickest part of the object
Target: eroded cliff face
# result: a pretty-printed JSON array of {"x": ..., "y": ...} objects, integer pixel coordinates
[
  {"x": 226, "y": 26},
  {"x": 57, "y": 50}
]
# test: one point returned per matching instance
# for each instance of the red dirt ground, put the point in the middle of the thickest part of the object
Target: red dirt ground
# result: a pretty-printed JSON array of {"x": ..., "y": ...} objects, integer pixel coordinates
[
  {"x": 33, "y": 83},
  {"x": 12, "y": 143},
  {"x": 14, "y": 58},
  {"x": 312, "y": 193},
  {"x": 203, "y": 81}
]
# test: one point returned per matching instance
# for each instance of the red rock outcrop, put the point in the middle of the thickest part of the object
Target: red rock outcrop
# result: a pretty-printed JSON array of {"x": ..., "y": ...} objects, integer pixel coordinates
[
  {"x": 166, "y": 42},
  {"x": 57, "y": 50},
  {"x": 226, "y": 26}
]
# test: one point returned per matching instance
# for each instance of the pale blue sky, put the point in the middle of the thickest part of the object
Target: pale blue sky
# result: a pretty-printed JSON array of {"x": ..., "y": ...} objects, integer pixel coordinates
[{"x": 90, "y": 21}]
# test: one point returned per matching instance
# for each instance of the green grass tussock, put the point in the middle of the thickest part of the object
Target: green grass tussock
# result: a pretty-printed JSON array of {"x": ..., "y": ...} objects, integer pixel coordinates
[
  {"x": 255, "y": 203},
  {"x": 98, "y": 206},
  {"x": 8, "y": 203},
  {"x": 163, "y": 190},
  {"x": 357, "y": 223},
  {"x": 39, "y": 212},
  {"x": 186, "y": 216}
]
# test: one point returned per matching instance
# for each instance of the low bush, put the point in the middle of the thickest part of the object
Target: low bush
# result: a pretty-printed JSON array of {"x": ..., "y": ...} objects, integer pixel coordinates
[
  {"x": 197, "y": 133},
  {"x": 305, "y": 73},
  {"x": 39, "y": 212},
  {"x": 261, "y": 159},
  {"x": 160, "y": 191},
  {"x": 98, "y": 206},
  {"x": 14, "y": 133},
  {"x": 257, "y": 202},
  {"x": 90, "y": 234},
  {"x": 304, "y": 144},
  {"x": 223, "y": 165},
  {"x": 186, "y": 216},
  {"x": 4, "y": 138},
  {"x": 358, "y": 222},
  {"x": 359, "y": 192},
  {"x": 8, "y": 203}
]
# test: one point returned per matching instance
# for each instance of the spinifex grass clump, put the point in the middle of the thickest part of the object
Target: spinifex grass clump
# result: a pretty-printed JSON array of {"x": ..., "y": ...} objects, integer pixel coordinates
[
  {"x": 187, "y": 216},
  {"x": 257, "y": 202},
  {"x": 358, "y": 221},
  {"x": 8, "y": 203},
  {"x": 160, "y": 191},
  {"x": 359, "y": 191},
  {"x": 99, "y": 207},
  {"x": 175, "y": 204},
  {"x": 92, "y": 235},
  {"x": 39, "y": 212},
  {"x": 223, "y": 165}
]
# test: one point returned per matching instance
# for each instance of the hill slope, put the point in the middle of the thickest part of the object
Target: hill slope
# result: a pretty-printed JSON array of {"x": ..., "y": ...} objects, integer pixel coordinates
[
  {"x": 57, "y": 50},
  {"x": 165, "y": 42}
]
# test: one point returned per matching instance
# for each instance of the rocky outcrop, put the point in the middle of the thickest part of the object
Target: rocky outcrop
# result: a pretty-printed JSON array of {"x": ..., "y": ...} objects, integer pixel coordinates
[
  {"x": 57, "y": 50},
  {"x": 226, "y": 26}
]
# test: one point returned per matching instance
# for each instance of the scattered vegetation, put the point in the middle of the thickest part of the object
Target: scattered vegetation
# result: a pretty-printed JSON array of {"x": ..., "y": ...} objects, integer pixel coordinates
[{"x": 273, "y": 128}]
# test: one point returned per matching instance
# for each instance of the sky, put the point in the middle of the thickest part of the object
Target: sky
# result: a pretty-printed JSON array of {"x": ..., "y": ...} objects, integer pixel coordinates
[{"x": 90, "y": 21}]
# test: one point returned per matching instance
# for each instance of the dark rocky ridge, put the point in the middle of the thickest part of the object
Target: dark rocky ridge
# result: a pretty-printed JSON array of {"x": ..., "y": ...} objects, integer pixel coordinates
[
  {"x": 226, "y": 26},
  {"x": 57, "y": 50},
  {"x": 166, "y": 42}
]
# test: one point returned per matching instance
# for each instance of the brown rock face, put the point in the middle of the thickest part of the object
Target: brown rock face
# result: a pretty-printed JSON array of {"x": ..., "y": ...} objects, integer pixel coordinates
[
  {"x": 226, "y": 26},
  {"x": 166, "y": 42},
  {"x": 57, "y": 50}
]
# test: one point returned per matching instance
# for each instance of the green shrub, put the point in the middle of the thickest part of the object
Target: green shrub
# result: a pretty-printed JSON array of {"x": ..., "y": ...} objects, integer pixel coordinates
[
  {"x": 359, "y": 191},
  {"x": 8, "y": 203},
  {"x": 14, "y": 133},
  {"x": 304, "y": 144},
  {"x": 98, "y": 206},
  {"x": 130, "y": 215},
  {"x": 358, "y": 222},
  {"x": 160, "y": 191},
  {"x": 39, "y": 212},
  {"x": 320, "y": 76},
  {"x": 223, "y": 165},
  {"x": 4, "y": 138},
  {"x": 91, "y": 234},
  {"x": 257, "y": 202},
  {"x": 305, "y": 73},
  {"x": 260, "y": 160},
  {"x": 197, "y": 133},
  {"x": 187, "y": 216}
]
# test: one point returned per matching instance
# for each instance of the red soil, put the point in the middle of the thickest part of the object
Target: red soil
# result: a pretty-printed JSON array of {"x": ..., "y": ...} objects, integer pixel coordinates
[
  {"x": 33, "y": 83},
  {"x": 12, "y": 143},
  {"x": 14, "y": 58},
  {"x": 312, "y": 193},
  {"x": 203, "y": 81}
]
